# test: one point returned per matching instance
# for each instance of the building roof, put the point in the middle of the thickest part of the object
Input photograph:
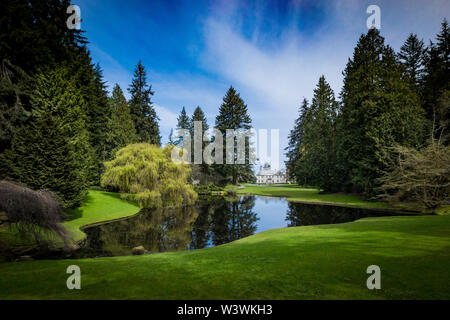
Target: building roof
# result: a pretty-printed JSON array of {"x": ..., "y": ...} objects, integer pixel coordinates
[{"x": 268, "y": 172}]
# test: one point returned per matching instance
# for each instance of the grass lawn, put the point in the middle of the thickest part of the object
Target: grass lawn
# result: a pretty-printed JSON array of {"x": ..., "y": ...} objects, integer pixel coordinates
[
  {"x": 312, "y": 262},
  {"x": 311, "y": 195},
  {"x": 98, "y": 206}
]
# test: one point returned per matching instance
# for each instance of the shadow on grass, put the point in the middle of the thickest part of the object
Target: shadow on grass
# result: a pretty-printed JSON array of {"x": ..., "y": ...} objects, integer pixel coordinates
[{"x": 77, "y": 213}]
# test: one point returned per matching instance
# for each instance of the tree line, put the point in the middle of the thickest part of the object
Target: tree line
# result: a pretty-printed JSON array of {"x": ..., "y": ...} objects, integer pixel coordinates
[
  {"x": 233, "y": 114},
  {"x": 58, "y": 124},
  {"x": 388, "y": 100}
]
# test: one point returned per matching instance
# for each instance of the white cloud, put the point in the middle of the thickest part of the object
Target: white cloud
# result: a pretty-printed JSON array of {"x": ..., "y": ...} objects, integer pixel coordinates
[
  {"x": 273, "y": 80},
  {"x": 168, "y": 120}
]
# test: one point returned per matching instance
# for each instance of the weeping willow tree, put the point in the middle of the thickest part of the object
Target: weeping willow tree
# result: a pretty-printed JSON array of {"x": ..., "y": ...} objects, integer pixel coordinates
[{"x": 146, "y": 174}]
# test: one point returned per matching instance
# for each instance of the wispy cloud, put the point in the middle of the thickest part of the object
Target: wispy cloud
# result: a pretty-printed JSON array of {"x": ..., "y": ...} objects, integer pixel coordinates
[
  {"x": 273, "y": 79},
  {"x": 273, "y": 58}
]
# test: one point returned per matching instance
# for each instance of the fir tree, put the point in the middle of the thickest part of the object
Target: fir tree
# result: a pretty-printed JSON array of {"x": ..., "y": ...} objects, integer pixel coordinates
[
  {"x": 142, "y": 111},
  {"x": 53, "y": 150},
  {"x": 378, "y": 109},
  {"x": 199, "y": 115},
  {"x": 98, "y": 113},
  {"x": 183, "y": 121},
  {"x": 233, "y": 114},
  {"x": 437, "y": 79},
  {"x": 295, "y": 139},
  {"x": 200, "y": 172},
  {"x": 121, "y": 131},
  {"x": 317, "y": 160},
  {"x": 34, "y": 34},
  {"x": 14, "y": 96},
  {"x": 412, "y": 55}
]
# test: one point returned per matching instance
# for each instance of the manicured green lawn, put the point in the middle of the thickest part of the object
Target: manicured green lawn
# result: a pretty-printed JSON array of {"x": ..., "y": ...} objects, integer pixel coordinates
[
  {"x": 313, "y": 262},
  {"x": 97, "y": 207},
  {"x": 311, "y": 195}
]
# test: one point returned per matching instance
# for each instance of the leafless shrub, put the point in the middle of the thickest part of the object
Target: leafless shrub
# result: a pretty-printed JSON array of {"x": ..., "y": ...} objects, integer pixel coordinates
[
  {"x": 418, "y": 175},
  {"x": 36, "y": 214}
]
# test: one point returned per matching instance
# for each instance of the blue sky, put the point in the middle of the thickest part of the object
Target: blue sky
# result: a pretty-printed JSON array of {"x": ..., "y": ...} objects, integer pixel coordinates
[{"x": 272, "y": 52}]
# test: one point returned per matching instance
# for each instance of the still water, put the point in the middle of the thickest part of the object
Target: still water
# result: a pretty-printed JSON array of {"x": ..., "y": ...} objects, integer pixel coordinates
[{"x": 210, "y": 223}]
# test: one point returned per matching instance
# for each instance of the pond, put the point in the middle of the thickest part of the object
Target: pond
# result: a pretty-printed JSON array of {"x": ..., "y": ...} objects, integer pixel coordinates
[{"x": 210, "y": 223}]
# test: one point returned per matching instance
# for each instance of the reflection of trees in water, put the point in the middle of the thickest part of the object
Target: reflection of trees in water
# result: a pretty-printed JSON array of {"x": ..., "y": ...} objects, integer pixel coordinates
[
  {"x": 159, "y": 230},
  {"x": 209, "y": 223},
  {"x": 201, "y": 232},
  {"x": 300, "y": 214},
  {"x": 223, "y": 220},
  {"x": 233, "y": 220}
]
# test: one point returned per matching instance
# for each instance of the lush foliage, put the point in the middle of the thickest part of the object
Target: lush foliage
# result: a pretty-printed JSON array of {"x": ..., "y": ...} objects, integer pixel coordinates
[
  {"x": 412, "y": 56},
  {"x": 52, "y": 151},
  {"x": 121, "y": 126},
  {"x": 295, "y": 139},
  {"x": 341, "y": 147},
  {"x": 14, "y": 96},
  {"x": 379, "y": 108},
  {"x": 147, "y": 174},
  {"x": 316, "y": 147},
  {"x": 436, "y": 80}
]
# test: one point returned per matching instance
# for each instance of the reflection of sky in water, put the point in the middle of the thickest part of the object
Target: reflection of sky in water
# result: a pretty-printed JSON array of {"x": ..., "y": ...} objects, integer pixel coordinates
[
  {"x": 271, "y": 212},
  {"x": 211, "y": 223}
]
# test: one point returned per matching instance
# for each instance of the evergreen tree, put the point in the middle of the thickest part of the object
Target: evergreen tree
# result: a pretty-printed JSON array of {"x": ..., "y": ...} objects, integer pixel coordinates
[
  {"x": 182, "y": 133},
  {"x": 14, "y": 96},
  {"x": 53, "y": 150},
  {"x": 295, "y": 139},
  {"x": 98, "y": 113},
  {"x": 34, "y": 34},
  {"x": 183, "y": 121},
  {"x": 202, "y": 172},
  {"x": 199, "y": 115},
  {"x": 378, "y": 108},
  {"x": 437, "y": 79},
  {"x": 412, "y": 55},
  {"x": 121, "y": 131},
  {"x": 142, "y": 111},
  {"x": 317, "y": 160},
  {"x": 233, "y": 115}
]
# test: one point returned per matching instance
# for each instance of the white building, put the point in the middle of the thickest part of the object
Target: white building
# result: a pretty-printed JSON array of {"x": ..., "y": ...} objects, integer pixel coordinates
[{"x": 269, "y": 176}]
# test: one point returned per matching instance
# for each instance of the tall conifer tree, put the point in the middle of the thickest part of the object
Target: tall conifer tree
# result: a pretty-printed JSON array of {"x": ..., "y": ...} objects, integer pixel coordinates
[
  {"x": 412, "y": 55},
  {"x": 121, "y": 131},
  {"x": 183, "y": 121},
  {"x": 233, "y": 114},
  {"x": 379, "y": 108},
  {"x": 53, "y": 150},
  {"x": 436, "y": 87},
  {"x": 202, "y": 171},
  {"x": 141, "y": 106},
  {"x": 317, "y": 160},
  {"x": 295, "y": 140}
]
